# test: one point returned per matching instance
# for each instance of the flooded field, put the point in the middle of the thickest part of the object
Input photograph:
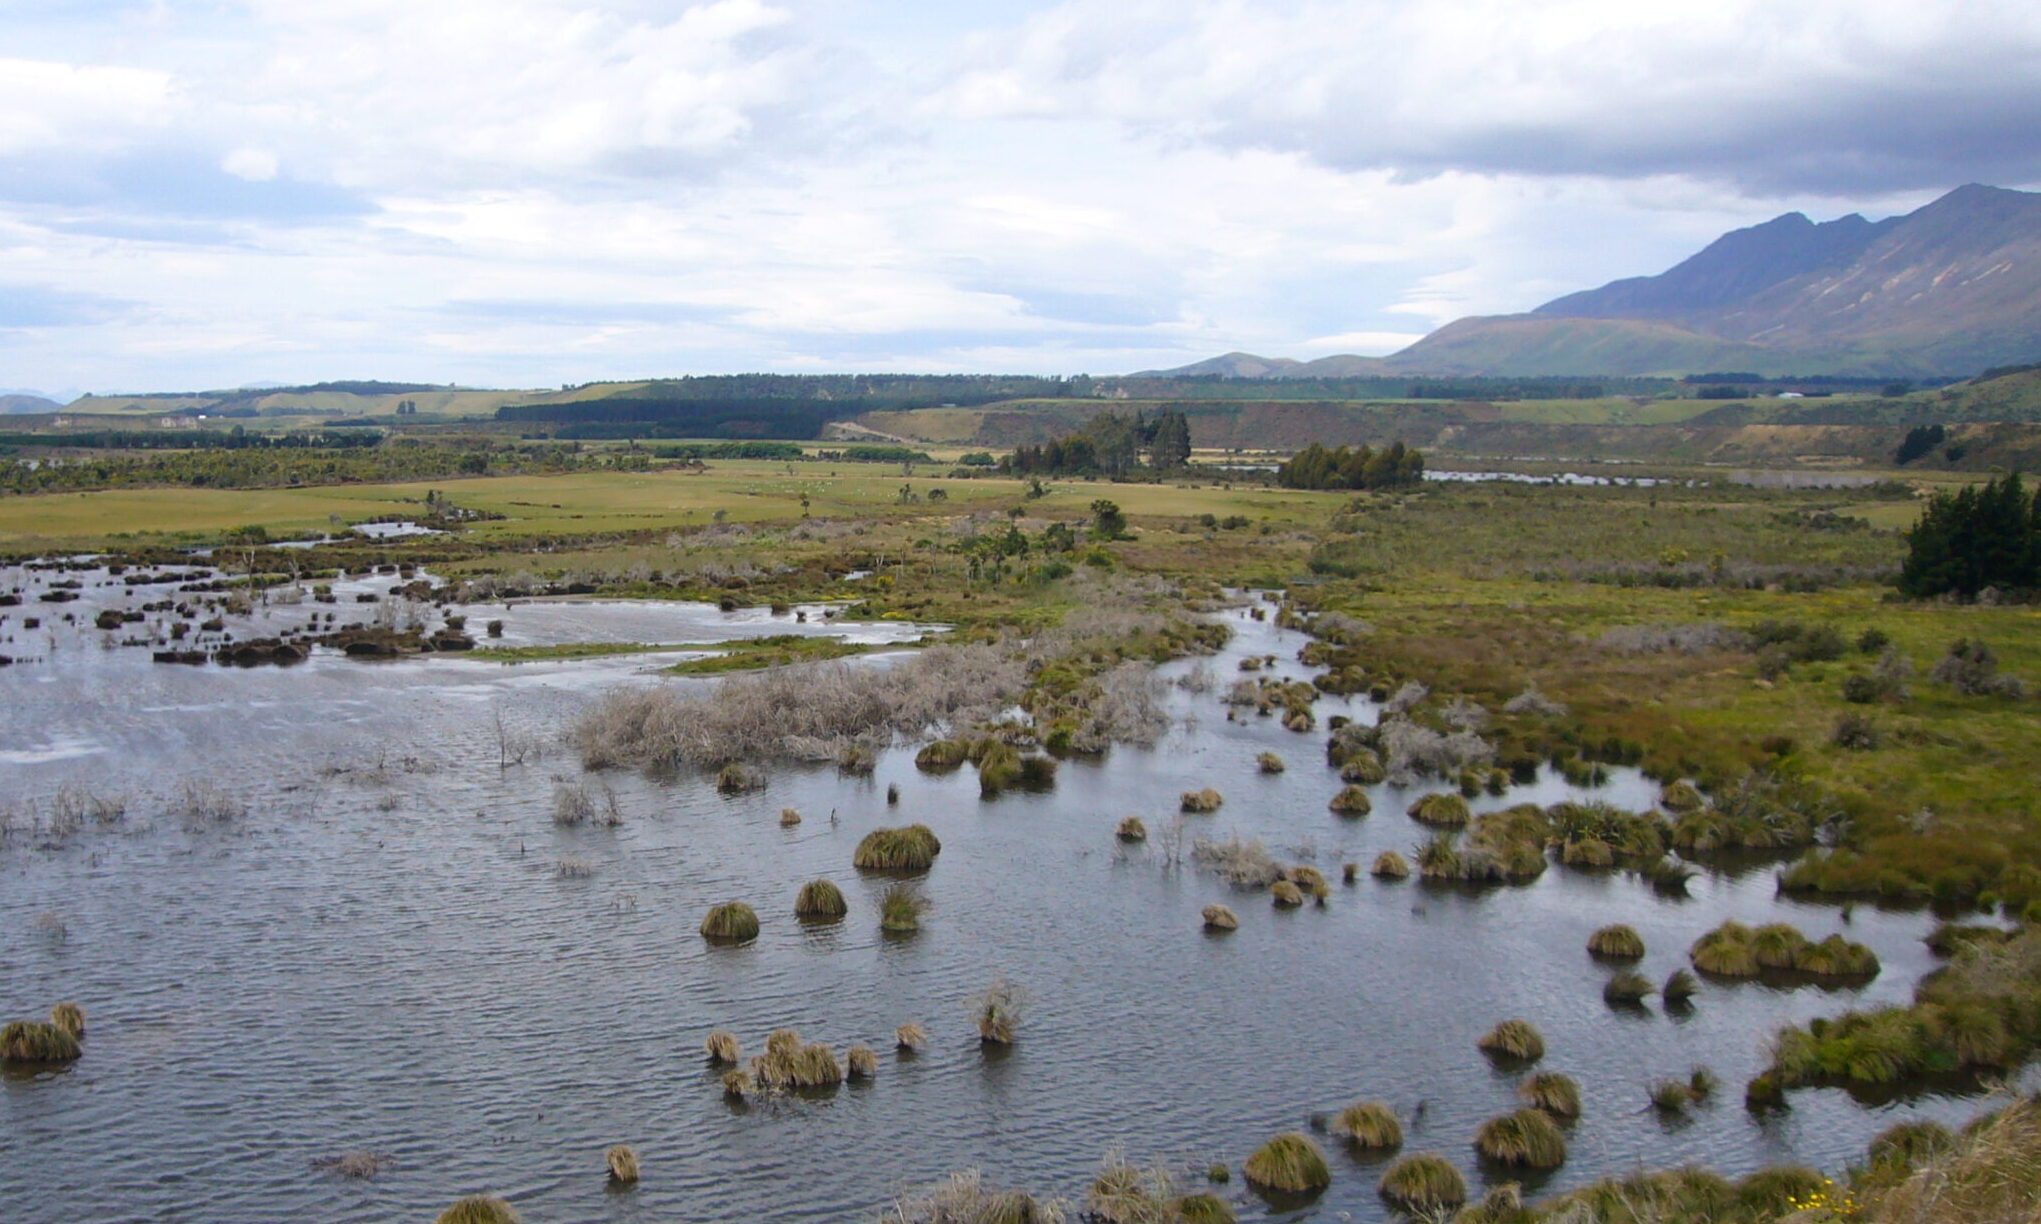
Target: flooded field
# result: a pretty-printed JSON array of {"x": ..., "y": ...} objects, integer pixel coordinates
[{"x": 330, "y": 919}]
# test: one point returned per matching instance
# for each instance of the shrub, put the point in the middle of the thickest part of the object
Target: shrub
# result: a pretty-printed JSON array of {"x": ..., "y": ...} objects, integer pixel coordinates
[
  {"x": 1200, "y": 802},
  {"x": 32, "y": 1041},
  {"x": 479, "y": 1209},
  {"x": 1626, "y": 988},
  {"x": 1527, "y": 1137},
  {"x": 722, "y": 1048},
  {"x": 1855, "y": 732},
  {"x": 1290, "y": 1163},
  {"x": 1285, "y": 894},
  {"x": 908, "y": 849},
  {"x": 1132, "y": 830},
  {"x": 1246, "y": 864},
  {"x": 623, "y": 1163},
  {"x": 820, "y": 899},
  {"x": 1618, "y": 942},
  {"x": 1368, "y": 1124},
  {"x": 861, "y": 1062},
  {"x": 1514, "y": 1039},
  {"x": 997, "y": 1011},
  {"x": 731, "y": 922},
  {"x": 1552, "y": 1092},
  {"x": 1352, "y": 801},
  {"x": 1440, "y": 810},
  {"x": 1390, "y": 865},
  {"x": 1423, "y": 1183},
  {"x": 910, "y": 1036},
  {"x": 1270, "y": 763},
  {"x": 1679, "y": 987},
  {"x": 1220, "y": 918},
  {"x": 900, "y": 910},
  {"x": 1971, "y": 668},
  {"x": 69, "y": 1017}
]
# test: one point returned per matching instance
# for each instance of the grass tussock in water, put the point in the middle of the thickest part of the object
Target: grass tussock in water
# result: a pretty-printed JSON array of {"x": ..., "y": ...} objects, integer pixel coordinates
[
  {"x": 1441, "y": 810},
  {"x": 1899, "y": 1150},
  {"x": 1368, "y": 1124},
  {"x": 1627, "y": 988},
  {"x": 731, "y": 922},
  {"x": 861, "y": 1062},
  {"x": 32, "y": 1041},
  {"x": 1618, "y": 942},
  {"x": 480, "y": 1209},
  {"x": 1390, "y": 865},
  {"x": 1131, "y": 830},
  {"x": 738, "y": 1084},
  {"x": 789, "y": 817},
  {"x": 1201, "y": 802},
  {"x": 1221, "y": 918},
  {"x": 1352, "y": 801},
  {"x": 623, "y": 1164},
  {"x": 997, "y": 1011},
  {"x": 1270, "y": 763},
  {"x": 1244, "y": 864},
  {"x": 1310, "y": 881},
  {"x": 1694, "y": 1196},
  {"x": 722, "y": 1048},
  {"x": 964, "y": 1198},
  {"x": 1680, "y": 986},
  {"x": 820, "y": 899},
  {"x": 1517, "y": 1040},
  {"x": 910, "y": 1036},
  {"x": 912, "y": 848},
  {"x": 1423, "y": 1184},
  {"x": 1286, "y": 895},
  {"x": 71, "y": 1018},
  {"x": 788, "y": 1062},
  {"x": 1552, "y": 1092},
  {"x": 941, "y": 756},
  {"x": 1734, "y": 950},
  {"x": 1125, "y": 1193},
  {"x": 900, "y": 910},
  {"x": 1290, "y": 1163},
  {"x": 1725, "y": 951},
  {"x": 1528, "y": 1138},
  {"x": 1671, "y": 1096}
]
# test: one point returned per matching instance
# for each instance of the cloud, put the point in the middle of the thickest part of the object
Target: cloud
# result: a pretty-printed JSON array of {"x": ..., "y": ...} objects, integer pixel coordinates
[
  {"x": 25, "y": 307},
  {"x": 53, "y": 105},
  {"x": 1823, "y": 95}
]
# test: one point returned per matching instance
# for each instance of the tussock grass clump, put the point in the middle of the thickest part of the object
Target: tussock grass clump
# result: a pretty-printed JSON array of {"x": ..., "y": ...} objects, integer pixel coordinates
[
  {"x": 1734, "y": 950},
  {"x": 71, "y": 1018},
  {"x": 731, "y": 922},
  {"x": 1897, "y": 1151},
  {"x": 32, "y": 1041},
  {"x": 1285, "y": 894},
  {"x": 1310, "y": 881},
  {"x": 1125, "y": 1193},
  {"x": 997, "y": 1011},
  {"x": 963, "y": 1198},
  {"x": 1204, "y": 1209},
  {"x": 1221, "y": 918},
  {"x": 623, "y": 1164},
  {"x": 861, "y": 1062},
  {"x": 1775, "y": 945},
  {"x": 1679, "y": 987},
  {"x": 1627, "y": 988},
  {"x": 910, "y": 1036},
  {"x": 1588, "y": 853},
  {"x": 1390, "y": 865},
  {"x": 737, "y": 777},
  {"x": 789, "y": 817},
  {"x": 1368, "y": 1124},
  {"x": 1270, "y": 763},
  {"x": 908, "y": 849},
  {"x": 1680, "y": 797},
  {"x": 1552, "y": 1092},
  {"x": 1352, "y": 801},
  {"x": 1364, "y": 767},
  {"x": 1702, "y": 1083},
  {"x": 1527, "y": 1137},
  {"x": 1836, "y": 957},
  {"x": 1131, "y": 830},
  {"x": 1725, "y": 951},
  {"x": 820, "y": 899},
  {"x": 1349, "y": 872},
  {"x": 722, "y": 1048},
  {"x": 790, "y": 1063},
  {"x": 942, "y": 756},
  {"x": 1514, "y": 1039},
  {"x": 900, "y": 910},
  {"x": 480, "y": 1209},
  {"x": 1618, "y": 942},
  {"x": 1423, "y": 1183},
  {"x": 1290, "y": 1163},
  {"x": 1200, "y": 802},
  {"x": 738, "y": 1084},
  {"x": 1441, "y": 810},
  {"x": 1671, "y": 1095}
]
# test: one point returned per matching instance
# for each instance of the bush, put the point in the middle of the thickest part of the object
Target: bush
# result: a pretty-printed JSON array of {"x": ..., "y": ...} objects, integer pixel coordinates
[
  {"x": 820, "y": 899},
  {"x": 1514, "y": 1039},
  {"x": 1424, "y": 1183},
  {"x": 731, "y": 922},
  {"x": 1552, "y": 1092},
  {"x": 1527, "y": 1137},
  {"x": 1971, "y": 668},
  {"x": 1855, "y": 732},
  {"x": 912, "y": 848},
  {"x": 1368, "y": 1124},
  {"x": 1290, "y": 1163},
  {"x": 1618, "y": 942}
]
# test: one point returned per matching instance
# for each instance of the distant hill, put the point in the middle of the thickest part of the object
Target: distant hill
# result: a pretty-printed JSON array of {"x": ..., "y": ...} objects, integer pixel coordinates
[
  {"x": 27, "y": 403},
  {"x": 1944, "y": 291},
  {"x": 1228, "y": 365}
]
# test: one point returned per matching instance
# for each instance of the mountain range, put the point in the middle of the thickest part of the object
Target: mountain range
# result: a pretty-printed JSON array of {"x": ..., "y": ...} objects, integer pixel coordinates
[{"x": 1944, "y": 291}]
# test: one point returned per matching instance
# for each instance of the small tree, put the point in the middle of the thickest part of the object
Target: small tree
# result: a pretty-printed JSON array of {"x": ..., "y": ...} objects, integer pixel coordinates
[{"x": 1106, "y": 518}]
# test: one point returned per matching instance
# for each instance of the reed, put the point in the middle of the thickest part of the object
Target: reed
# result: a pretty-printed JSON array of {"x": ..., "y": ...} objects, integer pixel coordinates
[
  {"x": 1423, "y": 1184},
  {"x": 1552, "y": 1092},
  {"x": 623, "y": 1164},
  {"x": 71, "y": 1018},
  {"x": 997, "y": 1011},
  {"x": 1131, "y": 830},
  {"x": 900, "y": 910},
  {"x": 1270, "y": 763},
  {"x": 1201, "y": 802},
  {"x": 1441, "y": 810},
  {"x": 1290, "y": 1163},
  {"x": 1390, "y": 865},
  {"x": 479, "y": 1209},
  {"x": 910, "y": 1037},
  {"x": 1220, "y": 918},
  {"x": 1528, "y": 1138},
  {"x": 1626, "y": 988},
  {"x": 861, "y": 1062},
  {"x": 1514, "y": 1039},
  {"x": 912, "y": 848},
  {"x": 1352, "y": 801},
  {"x": 32, "y": 1041},
  {"x": 1618, "y": 942},
  {"x": 731, "y": 922},
  {"x": 820, "y": 899},
  {"x": 1368, "y": 1124},
  {"x": 722, "y": 1048}
]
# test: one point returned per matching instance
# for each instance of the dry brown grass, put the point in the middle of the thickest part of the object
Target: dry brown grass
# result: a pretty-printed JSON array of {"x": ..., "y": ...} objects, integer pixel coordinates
[
  {"x": 910, "y": 1036},
  {"x": 32, "y": 1041},
  {"x": 1991, "y": 1176},
  {"x": 861, "y": 1062},
  {"x": 1201, "y": 802},
  {"x": 997, "y": 1011},
  {"x": 71, "y": 1018},
  {"x": 1221, "y": 918},
  {"x": 1368, "y": 1124},
  {"x": 722, "y": 1048},
  {"x": 480, "y": 1209},
  {"x": 623, "y": 1163}
]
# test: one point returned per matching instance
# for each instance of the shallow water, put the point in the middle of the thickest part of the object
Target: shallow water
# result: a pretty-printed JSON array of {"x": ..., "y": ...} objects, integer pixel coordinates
[{"x": 382, "y": 955}]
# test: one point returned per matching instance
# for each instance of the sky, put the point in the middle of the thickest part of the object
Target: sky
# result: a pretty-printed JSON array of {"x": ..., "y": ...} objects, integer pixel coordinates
[{"x": 216, "y": 193}]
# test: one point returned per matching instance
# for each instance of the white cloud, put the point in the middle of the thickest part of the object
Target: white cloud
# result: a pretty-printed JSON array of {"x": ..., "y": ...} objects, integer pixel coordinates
[
  {"x": 254, "y": 165},
  {"x": 49, "y": 105}
]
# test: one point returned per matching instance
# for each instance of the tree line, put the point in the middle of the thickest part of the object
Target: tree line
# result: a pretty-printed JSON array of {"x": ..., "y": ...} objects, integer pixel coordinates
[
  {"x": 1112, "y": 444},
  {"x": 1315, "y": 467},
  {"x": 1973, "y": 539}
]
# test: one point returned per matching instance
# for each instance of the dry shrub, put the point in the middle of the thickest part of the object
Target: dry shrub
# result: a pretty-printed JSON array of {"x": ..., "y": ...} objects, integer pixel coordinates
[
  {"x": 623, "y": 1163},
  {"x": 861, "y": 1062},
  {"x": 1220, "y": 918},
  {"x": 963, "y": 1198},
  {"x": 585, "y": 803},
  {"x": 1411, "y": 751},
  {"x": 1368, "y": 1124},
  {"x": 820, "y": 899},
  {"x": 1244, "y": 864},
  {"x": 910, "y": 1036},
  {"x": 1200, "y": 802},
  {"x": 997, "y": 1011},
  {"x": 1533, "y": 704},
  {"x": 1289, "y": 1163},
  {"x": 722, "y": 1048},
  {"x": 790, "y": 1063},
  {"x": 1698, "y": 638},
  {"x": 480, "y": 1209}
]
